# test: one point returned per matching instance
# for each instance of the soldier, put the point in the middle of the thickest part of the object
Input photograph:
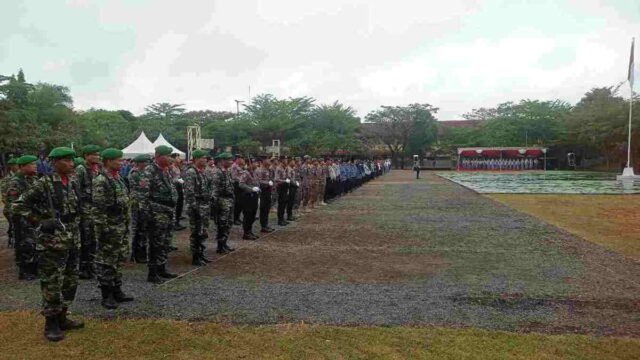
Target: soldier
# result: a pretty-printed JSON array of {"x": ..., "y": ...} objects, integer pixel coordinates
[
  {"x": 293, "y": 175},
  {"x": 176, "y": 173},
  {"x": 159, "y": 197},
  {"x": 139, "y": 214},
  {"x": 313, "y": 174},
  {"x": 323, "y": 173},
  {"x": 52, "y": 206},
  {"x": 12, "y": 167},
  {"x": 197, "y": 193},
  {"x": 250, "y": 193},
  {"x": 210, "y": 173},
  {"x": 305, "y": 176},
  {"x": 23, "y": 230},
  {"x": 263, "y": 174},
  {"x": 223, "y": 193},
  {"x": 85, "y": 174},
  {"x": 235, "y": 171},
  {"x": 112, "y": 216}
]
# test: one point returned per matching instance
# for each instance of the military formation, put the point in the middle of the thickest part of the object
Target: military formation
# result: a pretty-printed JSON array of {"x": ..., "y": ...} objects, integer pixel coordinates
[{"x": 76, "y": 222}]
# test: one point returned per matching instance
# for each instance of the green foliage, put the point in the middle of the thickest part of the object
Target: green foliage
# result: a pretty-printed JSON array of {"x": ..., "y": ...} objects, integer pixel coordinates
[{"x": 106, "y": 128}]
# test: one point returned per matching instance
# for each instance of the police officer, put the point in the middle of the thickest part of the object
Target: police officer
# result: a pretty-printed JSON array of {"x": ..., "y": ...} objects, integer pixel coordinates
[
  {"x": 23, "y": 230},
  {"x": 263, "y": 174},
  {"x": 159, "y": 197},
  {"x": 112, "y": 217},
  {"x": 235, "y": 171},
  {"x": 52, "y": 206},
  {"x": 250, "y": 193}
]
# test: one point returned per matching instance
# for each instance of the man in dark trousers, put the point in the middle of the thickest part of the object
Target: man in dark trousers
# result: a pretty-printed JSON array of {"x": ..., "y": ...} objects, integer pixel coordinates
[{"x": 263, "y": 174}]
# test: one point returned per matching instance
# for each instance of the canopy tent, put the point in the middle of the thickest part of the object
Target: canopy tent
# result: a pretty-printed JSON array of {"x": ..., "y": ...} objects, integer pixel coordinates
[
  {"x": 495, "y": 152},
  {"x": 162, "y": 141},
  {"x": 142, "y": 145}
]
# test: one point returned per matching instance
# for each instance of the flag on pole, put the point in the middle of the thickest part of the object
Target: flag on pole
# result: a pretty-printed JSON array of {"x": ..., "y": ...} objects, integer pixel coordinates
[{"x": 631, "y": 66}]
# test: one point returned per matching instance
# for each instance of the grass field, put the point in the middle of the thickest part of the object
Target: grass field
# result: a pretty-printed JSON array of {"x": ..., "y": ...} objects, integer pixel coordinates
[{"x": 401, "y": 268}]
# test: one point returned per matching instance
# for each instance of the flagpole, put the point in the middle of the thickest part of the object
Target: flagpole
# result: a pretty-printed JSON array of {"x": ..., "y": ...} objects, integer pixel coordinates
[
  {"x": 627, "y": 173},
  {"x": 629, "y": 141}
]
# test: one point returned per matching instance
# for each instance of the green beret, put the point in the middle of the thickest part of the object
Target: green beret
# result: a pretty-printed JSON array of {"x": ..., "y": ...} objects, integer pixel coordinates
[
  {"x": 111, "y": 153},
  {"x": 142, "y": 158},
  {"x": 26, "y": 159},
  {"x": 62, "y": 152},
  {"x": 199, "y": 153},
  {"x": 163, "y": 150},
  {"x": 78, "y": 161},
  {"x": 224, "y": 156},
  {"x": 12, "y": 161},
  {"x": 90, "y": 149}
]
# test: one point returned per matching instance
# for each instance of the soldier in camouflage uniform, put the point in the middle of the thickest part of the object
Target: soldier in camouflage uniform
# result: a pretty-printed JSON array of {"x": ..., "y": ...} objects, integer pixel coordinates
[
  {"x": 293, "y": 175},
  {"x": 159, "y": 197},
  {"x": 139, "y": 214},
  {"x": 12, "y": 168},
  {"x": 210, "y": 173},
  {"x": 197, "y": 194},
  {"x": 223, "y": 193},
  {"x": 112, "y": 216},
  {"x": 235, "y": 171},
  {"x": 52, "y": 206},
  {"x": 250, "y": 193},
  {"x": 85, "y": 174},
  {"x": 23, "y": 230},
  {"x": 323, "y": 173},
  {"x": 282, "y": 185}
]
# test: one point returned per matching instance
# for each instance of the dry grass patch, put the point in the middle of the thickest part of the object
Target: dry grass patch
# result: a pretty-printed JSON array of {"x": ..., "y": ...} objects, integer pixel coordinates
[
  {"x": 609, "y": 220},
  {"x": 21, "y": 336}
]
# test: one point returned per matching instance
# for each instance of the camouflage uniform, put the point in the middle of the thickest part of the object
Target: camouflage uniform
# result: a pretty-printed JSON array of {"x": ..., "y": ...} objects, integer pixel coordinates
[
  {"x": 88, "y": 245},
  {"x": 223, "y": 193},
  {"x": 210, "y": 173},
  {"x": 23, "y": 231},
  {"x": 293, "y": 189},
  {"x": 159, "y": 197},
  {"x": 235, "y": 171},
  {"x": 111, "y": 218},
  {"x": 139, "y": 216},
  {"x": 280, "y": 178},
  {"x": 266, "y": 187},
  {"x": 305, "y": 175},
  {"x": 56, "y": 206},
  {"x": 197, "y": 194},
  {"x": 323, "y": 172},
  {"x": 5, "y": 211},
  {"x": 249, "y": 199}
]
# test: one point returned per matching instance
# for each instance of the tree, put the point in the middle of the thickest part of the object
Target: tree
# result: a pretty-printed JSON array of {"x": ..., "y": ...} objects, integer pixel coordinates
[
  {"x": 403, "y": 128},
  {"x": 106, "y": 128}
]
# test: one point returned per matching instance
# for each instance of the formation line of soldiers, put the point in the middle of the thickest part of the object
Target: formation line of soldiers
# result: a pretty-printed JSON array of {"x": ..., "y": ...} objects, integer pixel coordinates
[{"x": 75, "y": 223}]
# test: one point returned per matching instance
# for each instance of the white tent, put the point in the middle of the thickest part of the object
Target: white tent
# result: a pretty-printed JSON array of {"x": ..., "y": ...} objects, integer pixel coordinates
[
  {"x": 162, "y": 141},
  {"x": 142, "y": 145}
]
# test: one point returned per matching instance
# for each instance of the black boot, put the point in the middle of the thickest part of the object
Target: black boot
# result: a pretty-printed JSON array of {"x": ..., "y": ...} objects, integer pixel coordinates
[
  {"x": 249, "y": 236},
  {"x": 197, "y": 260},
  {"x": 120, "y": 296},
  {"x": 227, "y": 248},
  {"x": 162, "y": 272},
  {"x": 153, "y": 277},
  {"x": 178, "y": 226},
  {"x": 68, "y": 324},
  {"x": 292, "y": 218},
  {"x": 204, "y": 258},
  {"x": 267, "y": 229},
  {"x": 52, "y": 329},
  {"x": 22, "y": 272},
  {"x": 282, "y": 223},
  {"x": 32, "y": 271},
  {"x": 86, "y": 273},
  {"x": 108, "y": 301}
]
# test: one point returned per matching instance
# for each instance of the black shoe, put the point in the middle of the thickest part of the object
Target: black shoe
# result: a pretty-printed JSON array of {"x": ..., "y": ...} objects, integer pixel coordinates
[
  {"x": 179, "y": 227},
  {"x": 153, "y": 277},
  {"x": 283, "y": 223},
  {"x": 52, "y": 329},
  {"x": 249, "y": 237},
  {"x": 172, "y": 248},
  {"x": 292, "y": 218},
  {"x": 120, "y": 296},
  {"x": 108, "y": 301},
  {"x": 162, "y": 272},
  {"x": 140, "y": 259},
  {"x": 197, "y": 261},
  {"x": 204, "y": 258},
  {"x": 68, "y": 324},
  {"x": 254, "y": 235},
  {"x": 183, "y": 217},
  {"x": 237, "y": 222},
  {"x": 267, "y": 230},
  {"x": 228, "y": 248},
  {"x": 222, "y": 251}
]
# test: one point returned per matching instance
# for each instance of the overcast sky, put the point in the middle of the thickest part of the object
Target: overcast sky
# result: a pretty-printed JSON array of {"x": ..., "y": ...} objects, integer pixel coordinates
[{"x": 456, "y": 55}]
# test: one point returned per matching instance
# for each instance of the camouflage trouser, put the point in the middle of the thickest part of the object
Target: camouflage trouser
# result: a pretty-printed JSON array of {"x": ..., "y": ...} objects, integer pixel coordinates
[
  {"x": 58, "y": 273},
  {"x": 113, "y": 248},
  {"x": 199, "y": 214},
  {"x": 140, "y": 231},
  {"x": 160, "y": 231},
  {"x": 88, "y": 245},
  {"x": 10, "y": 239},
  {"x": 224, "y": 218},
  {"x": 313, "y": 192},
  {"x": 24, "y": 242}
]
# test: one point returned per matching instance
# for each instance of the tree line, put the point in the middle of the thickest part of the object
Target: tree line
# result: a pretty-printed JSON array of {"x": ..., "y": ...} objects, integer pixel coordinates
[{"x": 37, "y": 117}]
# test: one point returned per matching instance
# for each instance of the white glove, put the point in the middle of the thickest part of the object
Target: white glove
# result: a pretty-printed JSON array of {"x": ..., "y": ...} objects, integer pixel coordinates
[
  {"x": 180, "y": 181},
  {"x": 298, "y": 183},
  {"x": 270, "y": 183},
  {"x": 288, "y": 181},
  {"x": 255, "y": 189}
]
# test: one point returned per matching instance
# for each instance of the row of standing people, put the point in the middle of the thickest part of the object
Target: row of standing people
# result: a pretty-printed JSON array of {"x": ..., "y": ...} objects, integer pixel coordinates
[
  {"x": 76, "y": 220},
  {"x": 500, "y": 164}
]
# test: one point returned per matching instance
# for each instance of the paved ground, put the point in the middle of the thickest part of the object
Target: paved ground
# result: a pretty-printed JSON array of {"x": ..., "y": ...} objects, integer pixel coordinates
[{"x": 397, "y": 251}]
